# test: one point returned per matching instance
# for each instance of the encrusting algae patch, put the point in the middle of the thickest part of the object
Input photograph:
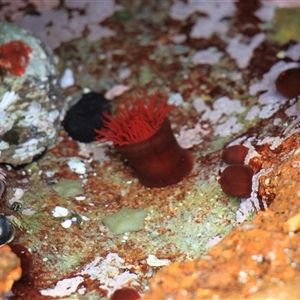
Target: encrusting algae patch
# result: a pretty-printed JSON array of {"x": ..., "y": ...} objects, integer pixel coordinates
[{"x": 125, "y": 220}]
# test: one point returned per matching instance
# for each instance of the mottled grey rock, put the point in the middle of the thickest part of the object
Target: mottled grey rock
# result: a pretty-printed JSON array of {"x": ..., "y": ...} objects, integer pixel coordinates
[{"x": 31, "y": 105}]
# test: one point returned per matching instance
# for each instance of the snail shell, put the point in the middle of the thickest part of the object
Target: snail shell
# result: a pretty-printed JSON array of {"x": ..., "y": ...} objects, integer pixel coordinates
[
  {"x": 7, "y": 230},
  {"x": 2, "y": 187}
]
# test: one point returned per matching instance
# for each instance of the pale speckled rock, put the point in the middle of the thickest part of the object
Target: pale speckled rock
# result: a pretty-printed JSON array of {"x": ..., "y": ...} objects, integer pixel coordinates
[{"x": 32, "y": 105}]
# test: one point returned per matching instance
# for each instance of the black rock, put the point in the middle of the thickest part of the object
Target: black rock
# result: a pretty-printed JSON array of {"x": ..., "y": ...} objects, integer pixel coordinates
[{"x": 86, "y": 116}]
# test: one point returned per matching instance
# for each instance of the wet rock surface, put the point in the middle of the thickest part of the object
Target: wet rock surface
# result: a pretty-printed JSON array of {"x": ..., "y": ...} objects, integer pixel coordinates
[
  {"x": 223, "y": 84},
  {"x": 255, "y": 258},
  {"x": 10, "y": 270},
  {"x": 31, "y": 101}
]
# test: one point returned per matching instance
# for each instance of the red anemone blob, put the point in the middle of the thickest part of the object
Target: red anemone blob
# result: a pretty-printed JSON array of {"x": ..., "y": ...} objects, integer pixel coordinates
[
  {"x": 125, "y": 293},
  {"x": 288, "y": 83},
  {"x": 143, "y": 135},
  {"x": 236, "y": 181},
  {"x": 134, "y": 124},
  {"x": 14, "y": 57},
  {"x": 235, "y": 155}
]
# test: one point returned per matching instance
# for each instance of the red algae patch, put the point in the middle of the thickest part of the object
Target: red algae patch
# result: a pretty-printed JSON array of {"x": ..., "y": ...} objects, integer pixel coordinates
[{"x": 14, "y": 57}]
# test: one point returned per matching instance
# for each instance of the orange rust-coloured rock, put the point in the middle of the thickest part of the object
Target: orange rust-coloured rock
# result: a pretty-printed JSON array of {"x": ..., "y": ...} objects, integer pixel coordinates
[
  {"x": 257, "y": 259},
  {"x": 10, "y": 269}
]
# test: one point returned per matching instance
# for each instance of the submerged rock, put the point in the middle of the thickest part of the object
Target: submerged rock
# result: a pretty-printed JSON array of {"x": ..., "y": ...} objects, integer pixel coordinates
[
  {"x": 31, "y": 101},
  {"x": 10, "y": 269}
]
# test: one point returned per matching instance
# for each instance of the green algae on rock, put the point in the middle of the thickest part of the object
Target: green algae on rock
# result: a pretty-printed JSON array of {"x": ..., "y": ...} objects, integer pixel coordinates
[
  {"x": 286, "y": 25},
  {"x": 68, "y": 188},
  {"x": 125, "y": 220}
]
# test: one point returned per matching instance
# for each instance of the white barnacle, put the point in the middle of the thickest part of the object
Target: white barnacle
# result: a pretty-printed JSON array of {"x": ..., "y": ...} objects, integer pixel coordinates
[
  {"x": 3, "y": 145},
  {"x": 153, "y": 261},
  {"x": 60, "y": 211},
  {"x": 7, "y": 99}
]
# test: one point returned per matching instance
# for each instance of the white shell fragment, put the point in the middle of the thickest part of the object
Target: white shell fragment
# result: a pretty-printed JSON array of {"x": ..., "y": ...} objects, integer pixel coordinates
[
  {"x": 76, "y": 165},
  {"x": 18, "y": 194},
  {"x": 175, "y": 99},
  {"x": 66, "y": 223},
  {"x": 67, "y": 79},
  {"x": 153, "y": 261},
  {"x": 116, "y": 90},
  {"x": 28, "y": 211},
  {"x": 59, "y": 212},
  {"x": 7, "y": 99}
]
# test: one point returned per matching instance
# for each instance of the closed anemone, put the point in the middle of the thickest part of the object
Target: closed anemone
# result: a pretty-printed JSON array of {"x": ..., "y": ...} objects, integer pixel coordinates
[
  {"x": 235, "y": 154},
  {"x": 125, "y": 293},
  {"x": 236, "y": 181},
  {"x": 288, "y": 83}
]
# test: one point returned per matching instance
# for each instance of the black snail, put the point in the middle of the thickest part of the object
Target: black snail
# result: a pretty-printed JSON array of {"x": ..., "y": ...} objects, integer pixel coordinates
[{"x": 7, "y": 230}]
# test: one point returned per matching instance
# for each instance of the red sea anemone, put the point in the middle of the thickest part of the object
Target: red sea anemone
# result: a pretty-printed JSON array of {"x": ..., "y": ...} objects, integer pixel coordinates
[
  {"x": 125, "y": 293},
  {"x": 143, "y": 135},
  {"x": 235, "y": 154},
  {"x": 25, "y": 257},
  {"x": 288, "y": 83},
  {"x": 236, "y": 181}
]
